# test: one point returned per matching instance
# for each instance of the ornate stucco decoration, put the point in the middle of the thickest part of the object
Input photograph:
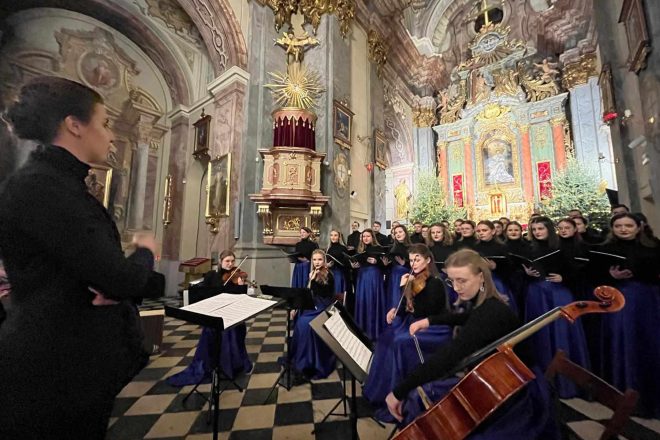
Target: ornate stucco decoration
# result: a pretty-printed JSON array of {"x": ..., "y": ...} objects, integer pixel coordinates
[
  {"x": 391, "y": 95},
  {"x": 424, "y": 111},
  {"x": 491, "y": 45},
  {"x": 175, "y": 18},
  {"x": 312, "y": 11},
  {"x": 377, "y": 51},
  {"x": 540, "y": 80},
  {"x": 579, "y": 72}
]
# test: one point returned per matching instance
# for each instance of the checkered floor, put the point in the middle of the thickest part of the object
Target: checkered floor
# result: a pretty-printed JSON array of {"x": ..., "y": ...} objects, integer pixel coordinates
[{"x": 149, "y": 408}]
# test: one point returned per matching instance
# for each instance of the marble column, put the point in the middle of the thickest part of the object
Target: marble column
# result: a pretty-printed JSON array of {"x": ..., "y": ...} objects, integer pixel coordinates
[
  {"x": 139, "y": 173},
  {"x": 423, "y": 120}
]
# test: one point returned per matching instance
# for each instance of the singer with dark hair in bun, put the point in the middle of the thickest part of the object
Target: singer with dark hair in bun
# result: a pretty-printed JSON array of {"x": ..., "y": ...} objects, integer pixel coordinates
[{"x": 72, "y": 339}]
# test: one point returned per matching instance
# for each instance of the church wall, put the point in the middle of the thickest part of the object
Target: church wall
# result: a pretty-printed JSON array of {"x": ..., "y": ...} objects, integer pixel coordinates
[
  {"x": 361, "y": 78},
  {"x": 639, "y": 184}
]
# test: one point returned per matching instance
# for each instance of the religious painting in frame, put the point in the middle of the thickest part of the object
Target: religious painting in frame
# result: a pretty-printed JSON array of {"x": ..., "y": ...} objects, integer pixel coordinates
[
  {"x": 607, "y": 93},
  {"x": 98, "y": 182},
  {"x": 202, "y": 135},
  {"x": 497, "y": 158},
  {"x": 342, "y": 125},
  {"x": 218, "y": 181},
  {"x": 380, "y": 149},
  {"x": 632, "y": 17}
]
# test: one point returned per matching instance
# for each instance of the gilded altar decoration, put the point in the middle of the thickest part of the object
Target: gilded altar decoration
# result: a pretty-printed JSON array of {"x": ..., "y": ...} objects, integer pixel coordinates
[
  {"x": 98, "y": 182},
  {"x": 579, "y": 72},
  {"x": 312, "y": 11},
  {"x": 377, "y": 51},
  {"x": 290, "y": 196}
]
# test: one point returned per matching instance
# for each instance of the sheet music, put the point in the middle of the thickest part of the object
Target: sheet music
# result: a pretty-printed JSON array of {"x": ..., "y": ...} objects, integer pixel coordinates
[
  {"x": 232, "y": 308},
  {"x": 355, "y": 348}
]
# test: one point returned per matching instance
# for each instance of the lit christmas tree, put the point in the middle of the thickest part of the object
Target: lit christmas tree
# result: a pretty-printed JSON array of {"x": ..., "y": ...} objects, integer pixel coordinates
[
  {"x": 578, "y": 186},
  {"x": 429, "y": 204}
]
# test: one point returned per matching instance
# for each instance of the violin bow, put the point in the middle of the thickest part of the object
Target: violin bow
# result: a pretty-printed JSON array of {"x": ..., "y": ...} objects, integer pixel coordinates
[
  {"x": 410, "y": 278},
  {"x": 235, "y": 270}
]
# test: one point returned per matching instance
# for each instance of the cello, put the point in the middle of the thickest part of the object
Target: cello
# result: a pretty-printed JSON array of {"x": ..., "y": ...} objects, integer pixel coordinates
[{"x": 497, "y": 377}]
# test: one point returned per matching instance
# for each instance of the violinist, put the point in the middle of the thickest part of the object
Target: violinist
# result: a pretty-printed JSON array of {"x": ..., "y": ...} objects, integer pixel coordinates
[
  {"x": 421, "y": 295},
  {"x": 234, "y": 358},
  {"x": 226, "y": 272},
  {"x": 304, "y": 249},
  {"x": 310, "y": 356},
  {"x": 488, "y": 318}
]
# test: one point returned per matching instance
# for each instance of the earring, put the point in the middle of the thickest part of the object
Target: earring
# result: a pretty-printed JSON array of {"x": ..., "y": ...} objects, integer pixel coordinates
[{"x": 483, "y": 287}]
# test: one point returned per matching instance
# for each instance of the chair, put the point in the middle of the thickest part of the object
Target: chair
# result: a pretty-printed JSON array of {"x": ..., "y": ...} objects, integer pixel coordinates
[{"x": 622, "y": 404}]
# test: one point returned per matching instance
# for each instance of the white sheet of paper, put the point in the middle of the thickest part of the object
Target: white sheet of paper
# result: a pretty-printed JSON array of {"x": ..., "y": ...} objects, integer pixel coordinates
[
  {"x": 230, "y": 307},
  {"x": 355, "y": 348}
]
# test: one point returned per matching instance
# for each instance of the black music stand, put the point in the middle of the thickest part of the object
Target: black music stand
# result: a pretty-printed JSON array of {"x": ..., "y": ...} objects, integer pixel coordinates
[
  {"x": 296, "y": 299},
  {"x": 198, "y": 293},
  {"x": 356, "y": 372},
  {"x": 217, "y": 324}
]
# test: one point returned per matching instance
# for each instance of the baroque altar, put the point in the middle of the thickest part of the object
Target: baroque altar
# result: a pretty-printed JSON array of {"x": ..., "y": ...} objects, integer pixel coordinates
[{"x": 503, "y": 132}]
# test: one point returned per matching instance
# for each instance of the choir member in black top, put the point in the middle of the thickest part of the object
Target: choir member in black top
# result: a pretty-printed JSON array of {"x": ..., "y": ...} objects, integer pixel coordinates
[
  {"x": 488, "y": 318},
  {"x": 468, "y": 238},
  {"x": 304, "y": 247},
  {"x": 630, "y": 353},
  {"x": 371, "y": 303},
  {"x": 383, "y": 239},
  {"x": 491, "y": 248},
  {"x": 353, "y": 240},
  {"x": 546, "y": 293},
  {"x": 516, "y": 244},
  {"x": 587, "y": 234},
  {"x": 499, "y": 229},
  {"x": 72, "y": 337},
  {"x": 457, "y": 229},
  {"x": 575, "y": 253},
  {"x": 338, "y": 264},
  {"x": 422, "y": 294},
  {"x": 397, "y": 261},
  {"x": 310, "y": 356},
  {"x": 440, "y": 243},
  {"x": 417, "y": 237}
]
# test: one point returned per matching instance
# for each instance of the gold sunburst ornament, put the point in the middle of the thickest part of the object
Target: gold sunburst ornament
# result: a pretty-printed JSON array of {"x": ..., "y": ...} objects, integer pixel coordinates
[{"x": 299, "y": 88}]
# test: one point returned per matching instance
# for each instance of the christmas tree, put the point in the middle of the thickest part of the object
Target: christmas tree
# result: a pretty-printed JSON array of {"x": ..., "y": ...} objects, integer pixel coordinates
[
  {"x": 578, "y": 186},
  {"x": 429, "y": 204}
]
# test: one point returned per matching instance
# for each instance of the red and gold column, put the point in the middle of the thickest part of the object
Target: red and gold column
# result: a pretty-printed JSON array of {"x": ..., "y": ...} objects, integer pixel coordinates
[
  {"x": 558, "y": 141},
  {"x": 528, "y": 182},
  {"x": 469, "y": 176},
  {"x": 443, "y": 171}
]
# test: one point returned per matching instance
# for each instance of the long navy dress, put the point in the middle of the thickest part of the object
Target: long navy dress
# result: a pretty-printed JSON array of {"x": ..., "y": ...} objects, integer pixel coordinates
[
  {"x": 518, "y": 277},
  {"x": 494, "y": 248},
  {"x": 370, "y": 299},
  {"x": 528, "y": 413},
  {"x": 310, "y": 356},
  {"x": 300, "y": 276},
  {"x": 630, "y": 346},
  {"x": 234, "y": 358},
  {"x": 341, "y": 269},
  {"x": 396, "y": 271},
  {"x": 543, "y": 296},
  {"x": 396, "y": 355}
]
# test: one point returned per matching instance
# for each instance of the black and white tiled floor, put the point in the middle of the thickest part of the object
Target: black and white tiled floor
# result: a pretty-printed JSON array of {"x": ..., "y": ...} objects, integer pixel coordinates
[{"x": 149, "y": 408}]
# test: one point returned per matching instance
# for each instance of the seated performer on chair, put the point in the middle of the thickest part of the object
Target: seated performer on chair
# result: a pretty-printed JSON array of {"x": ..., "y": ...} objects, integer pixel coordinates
[
  {"x": 396, "y": 353},
  {"x": 233, "y": 356},
  {"x": 310, "y": 356},
  {"x": 487, "y": 320}
]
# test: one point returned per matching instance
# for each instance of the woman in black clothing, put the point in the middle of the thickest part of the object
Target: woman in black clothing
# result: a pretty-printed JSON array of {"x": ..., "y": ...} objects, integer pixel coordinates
[
  {"x": 468, "y": 237},
  {"x": 516, "y": 244},
  {"x": 440, "y": 243},
  {"x": 576, "y": 254},
  {"x": 338, "y": 264},
  {"x": 395, "y": 355},
  {"x": 399, "y": 266},
  {"x": 214, "y": 278},
  {"x": 72, "y": 338},
  {"x": 495, "y": 252},
  {"x": 588, "y": 235},
  {"x": 488, "y": 319},
  {"x": 304, "y": 247}
]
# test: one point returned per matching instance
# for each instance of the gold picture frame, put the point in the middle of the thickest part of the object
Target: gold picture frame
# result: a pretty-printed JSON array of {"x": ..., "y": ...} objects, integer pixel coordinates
[
  {"x": 380, "y": 149},
  {"x": 98, "y": 181},
  {"x": 202, "y": 136},
  {"x": 633, "y": 18},
  {"x": 342, "y": 125},
  {"x": 218, "y": 187},
  {"x": 607, "y": 90}
]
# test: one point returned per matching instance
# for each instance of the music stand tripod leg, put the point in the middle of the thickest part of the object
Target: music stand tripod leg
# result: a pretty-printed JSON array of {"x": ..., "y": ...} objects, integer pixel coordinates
[
  {"x": 286, "y": 370},
  {"x": 215, "y": 387}
]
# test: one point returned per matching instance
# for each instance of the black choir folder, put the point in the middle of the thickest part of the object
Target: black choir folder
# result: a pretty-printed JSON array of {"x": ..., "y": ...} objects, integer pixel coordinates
[
  {"x": 601, "y": 259},
  {"x": 292, "y": 256},
  {"x": 543, "y": 264},
  {"x": 361, "y": 257},
  {"x": 353, "y": 348},
  {"x": 329, "y": 257}
]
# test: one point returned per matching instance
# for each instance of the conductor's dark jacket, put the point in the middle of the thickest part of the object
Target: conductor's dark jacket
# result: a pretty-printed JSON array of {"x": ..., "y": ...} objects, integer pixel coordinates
[{"x": 63, "y": 360}]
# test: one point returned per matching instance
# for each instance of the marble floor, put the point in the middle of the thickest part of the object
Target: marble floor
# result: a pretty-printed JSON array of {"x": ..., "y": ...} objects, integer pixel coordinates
[{"x": 150, "y": 408}]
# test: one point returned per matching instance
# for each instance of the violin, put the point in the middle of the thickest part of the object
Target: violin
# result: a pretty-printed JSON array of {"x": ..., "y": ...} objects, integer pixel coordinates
[
  {"x": 416, "y": 283},
  {"x": 233, "y": 275},
  {"x": 494, "y": 380}
]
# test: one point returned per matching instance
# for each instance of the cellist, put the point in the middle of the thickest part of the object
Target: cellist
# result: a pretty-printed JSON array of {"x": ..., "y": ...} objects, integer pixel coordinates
[{"x": 486, "y": 320}]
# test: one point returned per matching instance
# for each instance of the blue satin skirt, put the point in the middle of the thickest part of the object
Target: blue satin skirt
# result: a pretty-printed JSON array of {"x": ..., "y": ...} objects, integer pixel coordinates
[
  {"x": 300, "y": 277},
  {"x": 528, "y": 414},
  {"x": 309, "y": 354},
  {"x": 503, "y": 290},
  {"x": 396, "y": 357},
  {"x": 341, "y": 284},
  {"x": 394, "y": 289},
  {"x": 630, "y": 345},
  {"x": 233, "y": 357},
  {"x": 370, "y": 301},
  {"x": 543, "y": 296}
]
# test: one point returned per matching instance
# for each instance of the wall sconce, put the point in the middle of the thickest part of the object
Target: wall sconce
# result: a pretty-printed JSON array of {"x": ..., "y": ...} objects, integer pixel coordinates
[{"x": 167, "y": 202}]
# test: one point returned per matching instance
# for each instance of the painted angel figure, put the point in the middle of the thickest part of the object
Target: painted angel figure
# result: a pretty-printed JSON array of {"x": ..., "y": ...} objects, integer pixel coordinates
[{"x": 548, "y": 69}]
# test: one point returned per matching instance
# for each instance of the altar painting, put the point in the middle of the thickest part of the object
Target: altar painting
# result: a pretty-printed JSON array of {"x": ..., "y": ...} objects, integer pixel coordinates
[{"x": 497, "y": 157}]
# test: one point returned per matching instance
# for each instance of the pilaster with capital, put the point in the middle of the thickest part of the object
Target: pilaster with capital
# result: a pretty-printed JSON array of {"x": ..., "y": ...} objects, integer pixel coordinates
[
  {"x": 423, "y": 119},
  {"x": 443, "y": 167},
  {"x": 528, "y": 182},
  {"x": 558, "y": 141}
]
